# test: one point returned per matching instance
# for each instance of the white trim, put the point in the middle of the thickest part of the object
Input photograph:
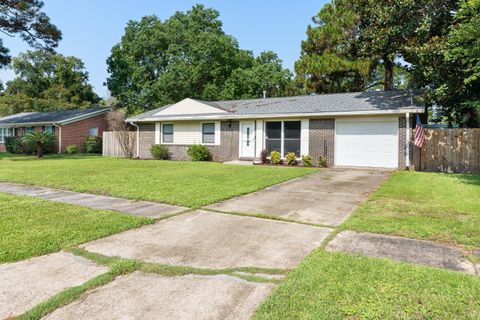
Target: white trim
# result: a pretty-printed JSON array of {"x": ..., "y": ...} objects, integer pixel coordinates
[
  {"x": 218, "y": 131},
  {"x": 304, "y": 137},
  {"x": 283, "y": 116},
  {"x": 407, "y": 142},
  {"x": 138, "y": 138},
  {"x": 259, "y": 137},
  {"x": 157, "y": 133}
]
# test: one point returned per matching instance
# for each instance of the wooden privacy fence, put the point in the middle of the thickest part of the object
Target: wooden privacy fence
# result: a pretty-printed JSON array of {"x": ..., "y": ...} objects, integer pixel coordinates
[
  {"x": 113, "y": 145},
  {"x": 448, "y": 150}
]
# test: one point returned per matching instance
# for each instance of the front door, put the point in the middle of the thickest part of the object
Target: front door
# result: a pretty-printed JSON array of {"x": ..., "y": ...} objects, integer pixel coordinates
[{"x": 247, "y": 139}]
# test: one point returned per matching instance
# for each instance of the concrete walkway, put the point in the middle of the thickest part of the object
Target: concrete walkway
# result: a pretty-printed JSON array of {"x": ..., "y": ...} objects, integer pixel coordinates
[
  {"x": 402, "y": 249},
  {"x": 326, "y": 198},
  {"x": 150, "y": 296},
  {"x": 137, "y": 208},
  {"x": 26, "y": 283}
]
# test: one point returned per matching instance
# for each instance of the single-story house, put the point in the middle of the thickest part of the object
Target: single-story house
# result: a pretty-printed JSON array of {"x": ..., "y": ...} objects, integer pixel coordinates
[
  {"x": 347, "y": 129},
  {"x": 69, "y": 126}
]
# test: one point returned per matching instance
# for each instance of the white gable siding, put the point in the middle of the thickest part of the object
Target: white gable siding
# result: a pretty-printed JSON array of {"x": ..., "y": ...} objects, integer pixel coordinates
[{"x": 188, "y": 106}]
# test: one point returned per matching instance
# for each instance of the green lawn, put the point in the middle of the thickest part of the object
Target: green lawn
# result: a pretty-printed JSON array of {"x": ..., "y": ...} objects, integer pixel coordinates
[
  {"x": 341, "y": 286},
  {"x": 182, "y": 183},
  {"x": 434, "y": 206},
  {"x": 31, "y": 227}
]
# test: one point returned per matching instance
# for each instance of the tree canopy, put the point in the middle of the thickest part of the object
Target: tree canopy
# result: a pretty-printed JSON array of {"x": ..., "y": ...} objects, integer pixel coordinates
[
  {"x": 46, "y": 81},
  {"x": 23, "y": 17},
  {"x": 187, "y": 55}
]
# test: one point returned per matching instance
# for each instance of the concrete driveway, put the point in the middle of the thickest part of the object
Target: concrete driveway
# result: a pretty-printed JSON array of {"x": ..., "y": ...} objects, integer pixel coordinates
[{"x": 325, "y": 198}]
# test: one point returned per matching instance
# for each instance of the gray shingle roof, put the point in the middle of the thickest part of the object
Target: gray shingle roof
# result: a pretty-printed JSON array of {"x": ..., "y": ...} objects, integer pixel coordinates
[
  {"x": 48, "y": 117},
  {"x": 380, "y": 101}
]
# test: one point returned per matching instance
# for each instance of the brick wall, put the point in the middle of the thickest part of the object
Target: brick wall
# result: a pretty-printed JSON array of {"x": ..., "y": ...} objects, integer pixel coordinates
[
  {"x": 402, "y": 148},
  {"x": 77, "y": 132},
  {"x": 226, "y": 151},
  {"x": 321, "y": 140}
]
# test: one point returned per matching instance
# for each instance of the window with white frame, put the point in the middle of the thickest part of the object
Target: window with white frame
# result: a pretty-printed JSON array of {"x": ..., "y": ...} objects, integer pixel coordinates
[
  {"x": 167, "y": 133},
  {"x": 48, "y": 129},
  {"x": 93, "y": 132},
  {"x": 5, "y": 132},
  {"x": 208, "y": 132},
  {"x": 283, "y": 136}
]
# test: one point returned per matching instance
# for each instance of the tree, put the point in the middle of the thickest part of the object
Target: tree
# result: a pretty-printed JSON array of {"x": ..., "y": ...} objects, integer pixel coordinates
[
  {"x": 328, "y": 61},
  {"x": 121, "y": 131},
  {"x": 187, "y": 55},
  {"x": 266, "y": 74},
  {"x": 40, "y": 139},
  {"x": 24, "y": 17},
  {"x": 47, "y": 81},
  {"x": 396, "y": 29},
  {"x": 452, "y": 77}
]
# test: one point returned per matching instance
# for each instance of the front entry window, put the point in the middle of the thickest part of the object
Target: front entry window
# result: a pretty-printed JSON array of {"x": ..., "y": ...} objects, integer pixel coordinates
[
  {"x": 273, "y": 136},
  {"x": 283, "y": 136}
]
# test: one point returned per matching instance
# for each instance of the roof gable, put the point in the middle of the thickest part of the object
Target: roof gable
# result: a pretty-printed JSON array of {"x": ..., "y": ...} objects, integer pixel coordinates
[{"x": 189, "y": 107}]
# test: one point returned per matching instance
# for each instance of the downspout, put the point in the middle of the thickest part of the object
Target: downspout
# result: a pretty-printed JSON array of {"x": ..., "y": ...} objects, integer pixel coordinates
[
  {"x": 59, "y": 137},
  {"x": 138, "y": 139}
]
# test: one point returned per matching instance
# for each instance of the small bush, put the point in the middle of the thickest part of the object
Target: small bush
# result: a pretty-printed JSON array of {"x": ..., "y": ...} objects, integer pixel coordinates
[
  {"x": 71, "y": 149},
  {"x": 159, "y": 152},
  {"x": 275, "y": 157},
  {"x": 13, "y": 145},
  {"x": 322, "y": 162},
  {"x": 93, "y": 145},
  {"x": 198, "y": 152},
  {"x": 307, "y": 160},
  {"x": 264, "y": 156},
  {"x": 291, "y": 158}
]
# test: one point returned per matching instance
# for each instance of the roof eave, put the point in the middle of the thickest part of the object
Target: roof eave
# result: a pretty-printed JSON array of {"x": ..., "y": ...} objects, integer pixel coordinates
[{"x": 280, "y": 115}]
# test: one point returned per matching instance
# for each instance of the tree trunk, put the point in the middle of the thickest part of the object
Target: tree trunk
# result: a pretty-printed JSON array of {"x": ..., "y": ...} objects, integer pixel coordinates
[
  {"x": 40, "y": 150},
  {"x": 388, "y": 65}
]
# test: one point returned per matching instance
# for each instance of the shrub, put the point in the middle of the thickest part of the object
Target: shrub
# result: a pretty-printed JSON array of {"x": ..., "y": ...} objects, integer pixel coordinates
[
  {"x": 93, "y": 145},
  {"x": 264, "y": 156},
  {"x": 71, "y": 149},
  {"x": 275, "y": 157},
  {"x": 39, "y": 140},
  {"x": 307, "y": 160},
  {"x": 322, "y": 162},
  {"x": 198, "y": 152},
  {"x": 291, "y": 158},
  {"x": 159, "y": 152},
  {"x": 13, "y": 145}
]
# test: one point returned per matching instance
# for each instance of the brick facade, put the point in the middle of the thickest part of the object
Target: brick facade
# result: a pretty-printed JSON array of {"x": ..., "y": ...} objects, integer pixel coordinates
[
  {"x": 321, "y": 142},
  {"x": 77, "y": 132},
  {"x": 322, "y": 139},
  {"x": 226, "y": 151}
]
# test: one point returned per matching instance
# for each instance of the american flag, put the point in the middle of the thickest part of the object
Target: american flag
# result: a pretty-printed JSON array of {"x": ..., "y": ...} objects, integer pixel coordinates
[{"x": 419, "y": 134}]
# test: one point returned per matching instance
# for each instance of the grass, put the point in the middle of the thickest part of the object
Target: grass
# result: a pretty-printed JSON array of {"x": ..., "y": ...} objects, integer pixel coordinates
[
  {"x": 31, "y": 227},
  {"x": 341, "y": 286},
  {"x": 433, "y": 206},
  {"x": 191, "y": 184}
]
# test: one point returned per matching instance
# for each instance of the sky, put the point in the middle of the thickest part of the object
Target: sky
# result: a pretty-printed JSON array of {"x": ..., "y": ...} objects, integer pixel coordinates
[{"x": 91, "y": 28}]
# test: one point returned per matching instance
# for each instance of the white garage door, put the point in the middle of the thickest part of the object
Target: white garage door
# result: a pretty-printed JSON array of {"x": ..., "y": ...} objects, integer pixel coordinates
[{"x": 369, "y": 142}]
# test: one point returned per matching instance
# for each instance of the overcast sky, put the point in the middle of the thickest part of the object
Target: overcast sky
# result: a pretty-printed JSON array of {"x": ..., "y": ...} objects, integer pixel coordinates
[{"x": 91, "y": 27}]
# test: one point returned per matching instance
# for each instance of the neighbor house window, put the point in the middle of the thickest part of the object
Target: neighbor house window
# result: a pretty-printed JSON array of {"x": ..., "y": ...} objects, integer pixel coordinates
[
  {"x": 208, "y": 132},
  {"x": 93, "y": 132},
  {"x": 29, "y": 130},
  {"x": 283, "y": 136},
  {"x": 47, "y": 129},
  {"x": 5, "y": 132},
  {"x": 167, "y": 133}
]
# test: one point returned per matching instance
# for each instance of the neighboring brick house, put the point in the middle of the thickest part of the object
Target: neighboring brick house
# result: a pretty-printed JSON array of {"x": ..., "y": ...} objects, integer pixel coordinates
[
  {"x": 68, "y": 126},
  {"x": 347, "y": 129}
]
